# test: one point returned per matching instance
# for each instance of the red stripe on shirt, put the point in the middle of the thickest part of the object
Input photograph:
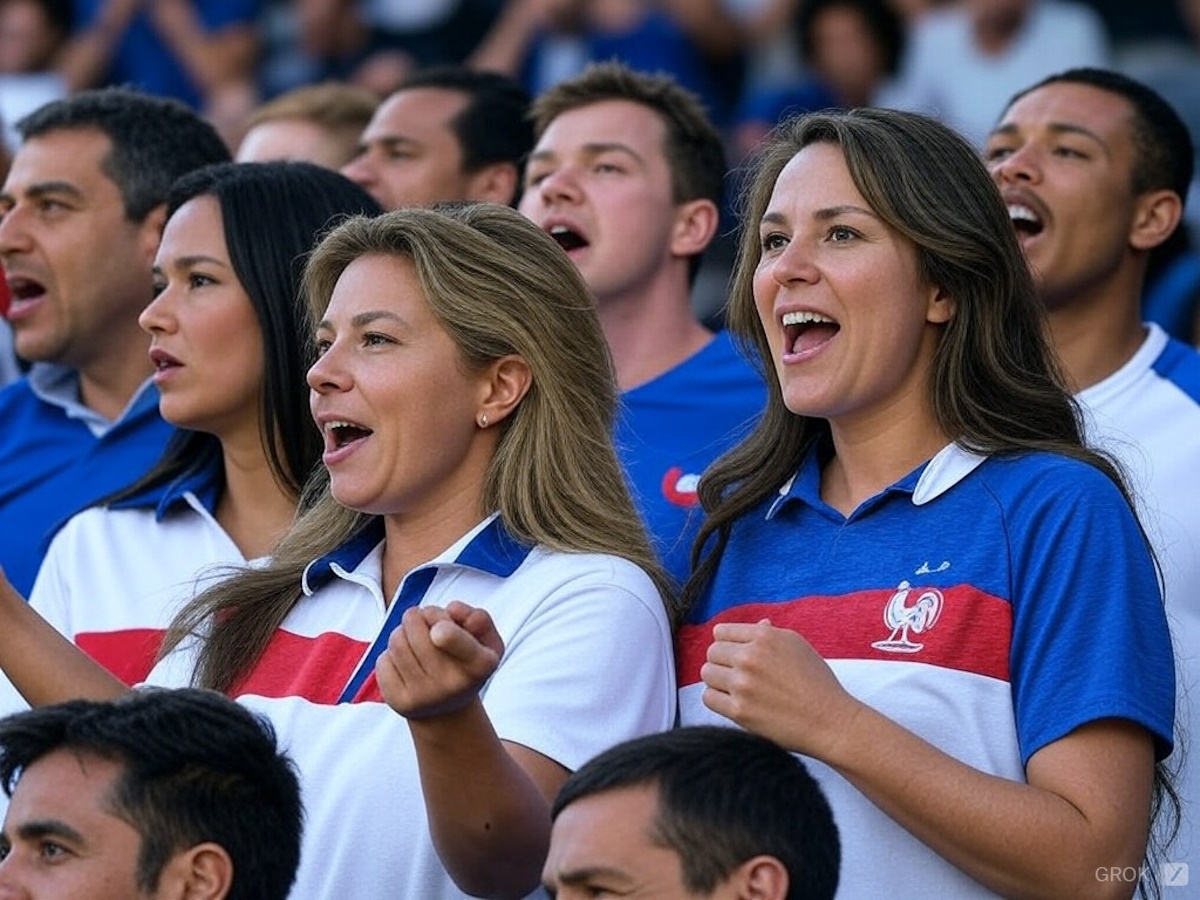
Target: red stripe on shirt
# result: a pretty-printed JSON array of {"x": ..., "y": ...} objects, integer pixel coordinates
[
  {"x": 128, "y": 654},
  {"x": 971, "y": 631},
  {"x": 314, "y": 668}
]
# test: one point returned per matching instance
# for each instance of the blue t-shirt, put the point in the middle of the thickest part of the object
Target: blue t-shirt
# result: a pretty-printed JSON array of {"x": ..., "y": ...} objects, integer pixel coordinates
[
  {"x": 988, "y": 605},
  {"x": 671, "y": 429},
  {"x": 52, "y": 466}
]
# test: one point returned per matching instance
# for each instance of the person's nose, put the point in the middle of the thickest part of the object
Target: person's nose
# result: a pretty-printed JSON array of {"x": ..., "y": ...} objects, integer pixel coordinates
[
  {"x": 794, "y": 264},
  {"x": 14, "y": 235},
  {"x": 158, "y": 316},
  {"x": 1022, "y": 164},
  {"x": 360, "y": 170},
  {"x": 560, "y": 186},
  {"x": 329, "y": 373}
]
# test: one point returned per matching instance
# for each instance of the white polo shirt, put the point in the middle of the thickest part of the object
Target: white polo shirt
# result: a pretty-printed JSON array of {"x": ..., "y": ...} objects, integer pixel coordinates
[{"x": 588, "y": 662}]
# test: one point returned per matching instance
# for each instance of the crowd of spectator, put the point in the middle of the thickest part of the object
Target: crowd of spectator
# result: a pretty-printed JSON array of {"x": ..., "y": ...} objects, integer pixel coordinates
[
  {"x": 751, "y": 61},
  {"x": 674, "y": 364}
]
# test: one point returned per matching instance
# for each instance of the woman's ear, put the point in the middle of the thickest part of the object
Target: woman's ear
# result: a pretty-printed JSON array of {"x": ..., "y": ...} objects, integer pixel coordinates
[
  {"x": 939, "y": 307},
  {"x": 506, "y": 381}
]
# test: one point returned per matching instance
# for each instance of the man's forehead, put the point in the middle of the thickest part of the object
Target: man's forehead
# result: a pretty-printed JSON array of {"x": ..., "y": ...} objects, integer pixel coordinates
[
  {"x": 614, "y": 123},
  {"x": 1067, "y": 106},
  {"x": 434, "y": 103},
  {"x": 63, "y": 155}
]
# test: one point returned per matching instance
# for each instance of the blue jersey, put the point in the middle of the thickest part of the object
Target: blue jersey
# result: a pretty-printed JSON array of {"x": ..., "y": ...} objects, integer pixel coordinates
[
  {"x": 143, "y": 58},
  {"x": 990, "y": 606}
]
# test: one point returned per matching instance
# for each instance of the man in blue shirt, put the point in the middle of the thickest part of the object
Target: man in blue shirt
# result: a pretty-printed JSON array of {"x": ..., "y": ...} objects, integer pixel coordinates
[
  {"x": 81, "y": 214},
  {"x": 627, "y": 175}
]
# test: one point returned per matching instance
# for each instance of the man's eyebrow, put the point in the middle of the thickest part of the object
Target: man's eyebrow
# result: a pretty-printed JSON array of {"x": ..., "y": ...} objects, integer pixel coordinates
[
  {"x": 597, "y": 147},
  {"x": 1011, "y": 128},
  {"x": 392, "y": 141},
  {"x": 43, "y": 188},
  {"x": 594, "y": 148},
  {"x": 38, "y": 828},
  {"x": 589, "y": 873},
  {"x": 1073, "y": 128}
]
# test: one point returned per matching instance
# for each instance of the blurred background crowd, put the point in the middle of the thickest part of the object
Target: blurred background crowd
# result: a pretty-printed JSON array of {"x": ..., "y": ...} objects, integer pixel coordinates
[{"x": 751, "y": 61}]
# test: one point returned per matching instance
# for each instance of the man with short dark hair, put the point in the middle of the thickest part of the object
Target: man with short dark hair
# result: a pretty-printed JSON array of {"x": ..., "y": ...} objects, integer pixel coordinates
[
  {"x": 701, "y": 812},
  {"x": 447, "y": 134},
  {"x": 165, "y": 794},
  {"x": 81, "y": 215},
  {"x": 1094, "y": 168}
]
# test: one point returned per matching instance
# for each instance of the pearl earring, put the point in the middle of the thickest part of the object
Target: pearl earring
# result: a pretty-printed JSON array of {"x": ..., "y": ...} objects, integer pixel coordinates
[{"x": 483, "y": 421}]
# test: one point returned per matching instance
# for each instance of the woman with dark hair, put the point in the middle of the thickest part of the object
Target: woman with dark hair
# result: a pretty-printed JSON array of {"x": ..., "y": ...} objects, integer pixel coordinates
[
  {"x": 230, "y": 344},
  {"x": 913, "y": 572}
]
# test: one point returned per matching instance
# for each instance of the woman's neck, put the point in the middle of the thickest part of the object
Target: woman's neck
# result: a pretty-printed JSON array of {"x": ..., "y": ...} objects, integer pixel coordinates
[
  {"x": 254, "y": 510},
  {"x": 866, "y": 461}
]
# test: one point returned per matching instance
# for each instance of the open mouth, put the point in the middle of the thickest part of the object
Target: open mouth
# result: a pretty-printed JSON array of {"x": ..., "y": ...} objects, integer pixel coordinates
[
  {"x": 162, "y": 360},
  {"x": 1025, "y": 220},
  {"x": 567, "y": 238},
  {"x": 24, "y": 290},
  {"x": 342, "y": 434},
  {"x": 807, "y": 330}
]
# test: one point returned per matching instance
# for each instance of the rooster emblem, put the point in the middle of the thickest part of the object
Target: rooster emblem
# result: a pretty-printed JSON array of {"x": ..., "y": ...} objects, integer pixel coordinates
[{"x": 903, "y": 616}]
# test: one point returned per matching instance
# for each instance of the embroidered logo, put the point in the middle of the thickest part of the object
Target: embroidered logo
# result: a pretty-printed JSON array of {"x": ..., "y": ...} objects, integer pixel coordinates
[
  {"x": 680, "y": 488},
  {"x": 903, "y": 616}
]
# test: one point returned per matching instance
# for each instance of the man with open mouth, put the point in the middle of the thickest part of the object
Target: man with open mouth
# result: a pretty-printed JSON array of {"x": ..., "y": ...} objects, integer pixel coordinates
[
  {"x": 81, "y": 214},
  {"x": 1094, "y": 168},
  {"x": 626, "y": 175}
]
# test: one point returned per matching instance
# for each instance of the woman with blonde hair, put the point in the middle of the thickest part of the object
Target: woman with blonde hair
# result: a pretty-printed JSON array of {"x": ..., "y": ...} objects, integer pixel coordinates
[{"x": 469, "y": 557}]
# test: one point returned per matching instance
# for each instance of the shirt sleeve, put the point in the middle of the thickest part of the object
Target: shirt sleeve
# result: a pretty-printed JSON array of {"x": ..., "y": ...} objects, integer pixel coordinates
[
  {"x": 1090, "y": 636},
  {"x": 591, "y": 667}
]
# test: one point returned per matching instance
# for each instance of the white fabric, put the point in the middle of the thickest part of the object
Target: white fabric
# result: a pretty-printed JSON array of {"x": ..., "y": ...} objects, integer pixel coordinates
[
  {"x": 113, "y": 570},
  {"x": 588, "y": 663},
  {"x": 117, "y": 573},
  {"x": 120, "y": 576},
  {"x": 23, "y": 92},
  {"x": 1153, "y": 428},
  {"x": 945, "y": 74}
]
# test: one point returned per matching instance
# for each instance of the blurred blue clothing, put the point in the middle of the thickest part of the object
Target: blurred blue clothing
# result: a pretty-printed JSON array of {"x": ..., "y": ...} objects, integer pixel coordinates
[{"x": 143, "y": 60}]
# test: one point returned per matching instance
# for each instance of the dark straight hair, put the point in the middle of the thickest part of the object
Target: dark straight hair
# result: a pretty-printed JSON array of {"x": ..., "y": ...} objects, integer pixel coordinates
[{"x": 273, "y": 214}]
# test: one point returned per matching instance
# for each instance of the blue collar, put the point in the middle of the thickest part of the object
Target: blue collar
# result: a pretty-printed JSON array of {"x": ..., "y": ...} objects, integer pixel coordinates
[
  {"x": 805, "y": 486},
  {"x": 493, "y": 550},
  {"x": 203, "y": 481}
]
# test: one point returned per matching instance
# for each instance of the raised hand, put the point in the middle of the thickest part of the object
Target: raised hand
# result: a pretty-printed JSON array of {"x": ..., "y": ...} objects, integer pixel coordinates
[{"x": 438, "y": 659}]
